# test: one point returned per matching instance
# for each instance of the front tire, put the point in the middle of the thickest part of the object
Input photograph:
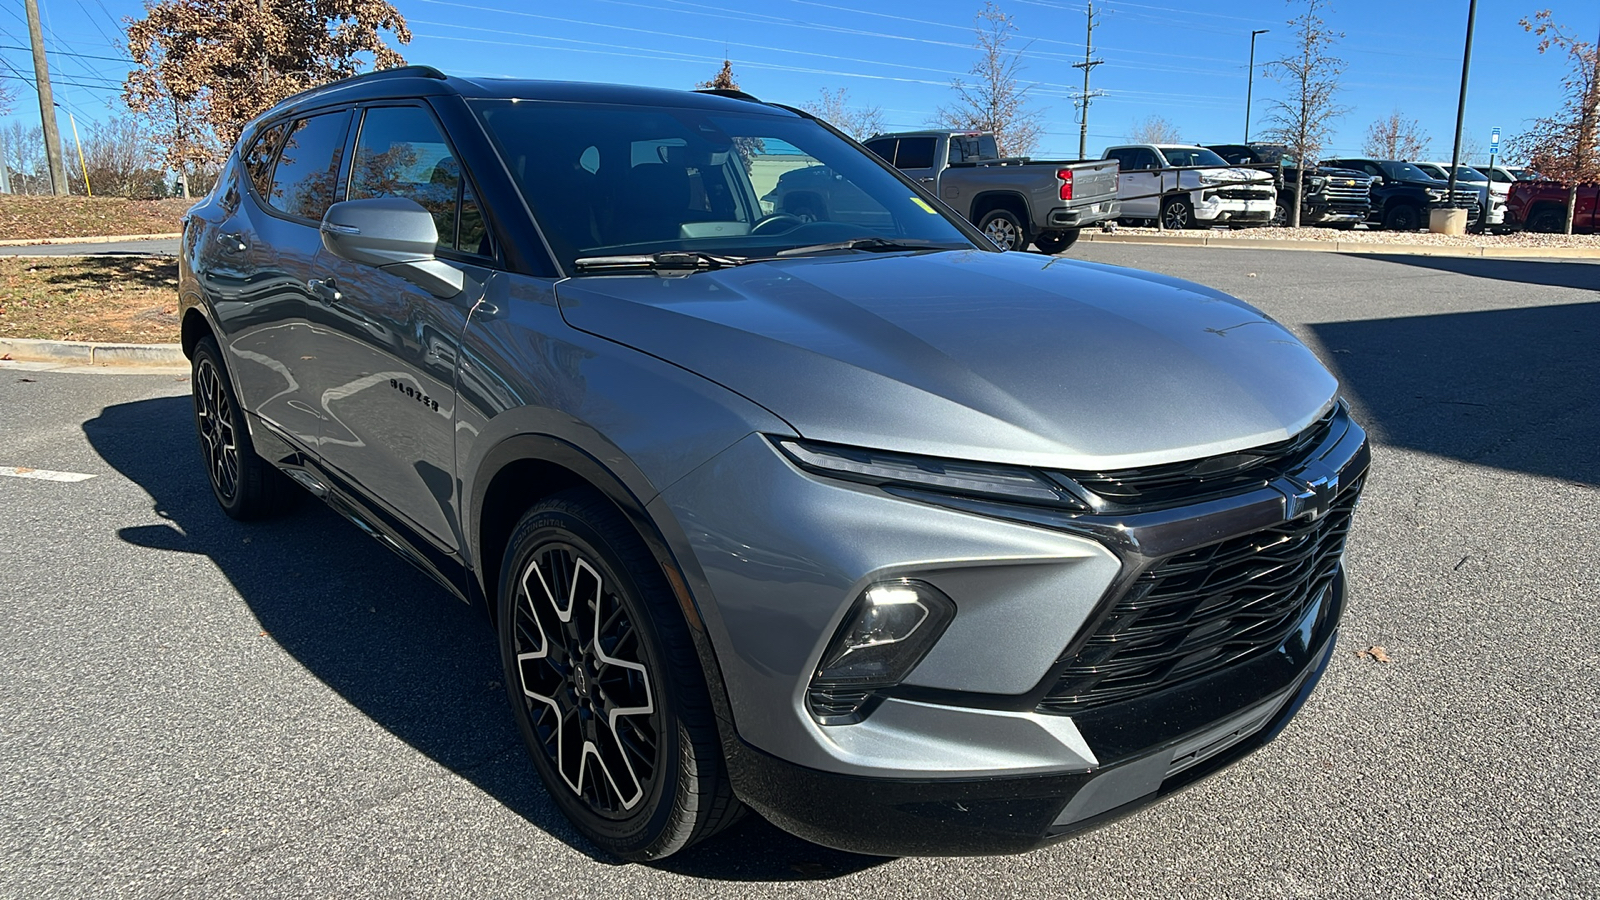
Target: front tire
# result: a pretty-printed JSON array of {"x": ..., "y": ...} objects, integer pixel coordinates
[
  {"x": 1004, "y": 229},
  {"x": 245, "y": 485},
  {"x": 604, "y": 682},
  {"x": 1177, "y": 215},
  {"x": 1548, "y": 220},
  {"x": 1403, "y": 217}
]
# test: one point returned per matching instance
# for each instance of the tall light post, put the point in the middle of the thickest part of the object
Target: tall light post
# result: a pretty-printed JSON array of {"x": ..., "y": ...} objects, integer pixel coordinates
[{"x": 1250, "y": 83}]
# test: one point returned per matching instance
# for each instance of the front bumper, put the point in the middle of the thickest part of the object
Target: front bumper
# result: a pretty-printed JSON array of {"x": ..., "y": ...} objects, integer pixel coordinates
[
  {"x": 1162, "y": 744},
  {"x": 969, "y": 729}
]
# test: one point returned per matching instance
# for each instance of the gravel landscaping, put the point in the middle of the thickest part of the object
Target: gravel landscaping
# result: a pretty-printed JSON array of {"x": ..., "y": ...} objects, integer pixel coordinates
[{"x": 1364, "y": 236}]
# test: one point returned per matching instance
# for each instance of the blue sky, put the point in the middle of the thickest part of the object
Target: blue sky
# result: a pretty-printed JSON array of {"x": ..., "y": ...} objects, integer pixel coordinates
[{"x": 1184, "y": 61}]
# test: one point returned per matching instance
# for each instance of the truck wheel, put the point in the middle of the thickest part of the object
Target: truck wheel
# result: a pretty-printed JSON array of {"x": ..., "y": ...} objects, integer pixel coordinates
[
  {"x": 1004, "y": 228},
  {"x": 1404, "y": 217},
  {"x": 1280, "y": 212},
  {"x": 1548, "y": 220},
  {"x": 1177, "y": 214},
  {"x": 1054, "y": 242}
]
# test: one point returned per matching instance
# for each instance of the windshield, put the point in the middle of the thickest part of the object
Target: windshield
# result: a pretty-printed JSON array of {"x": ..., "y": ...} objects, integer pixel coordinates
[
  {"x": 1404, "y": 171},
  {"x": 1465, "y": 173},
  {"x": 1192, "y": 156},
  {"x": 607, "y": 180},
  {"x": 1525, "y": 174}
]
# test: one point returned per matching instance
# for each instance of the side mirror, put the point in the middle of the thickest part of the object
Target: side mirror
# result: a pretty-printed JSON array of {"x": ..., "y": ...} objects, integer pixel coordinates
[{"x": 394, "y": 234}]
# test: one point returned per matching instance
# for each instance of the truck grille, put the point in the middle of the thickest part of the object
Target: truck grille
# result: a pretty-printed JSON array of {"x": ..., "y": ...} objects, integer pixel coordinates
[
  {"x": 1348, "y": 192},
  {"x": 1201, "y": 611},
  {"x": 1245, "y": 193},
  {"x": 1183, "y": 483}
]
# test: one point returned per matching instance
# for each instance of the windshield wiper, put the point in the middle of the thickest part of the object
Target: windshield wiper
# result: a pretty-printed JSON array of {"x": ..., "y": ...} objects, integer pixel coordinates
[
  {"x": 871, "y": 244},
  {"x": 665, "y": 261}
]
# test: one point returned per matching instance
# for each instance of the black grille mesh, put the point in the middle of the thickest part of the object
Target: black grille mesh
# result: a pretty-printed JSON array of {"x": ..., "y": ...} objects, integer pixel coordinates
[
  {"x": 1206, "y": 609},
  {"x": 1182, "y": 483}
]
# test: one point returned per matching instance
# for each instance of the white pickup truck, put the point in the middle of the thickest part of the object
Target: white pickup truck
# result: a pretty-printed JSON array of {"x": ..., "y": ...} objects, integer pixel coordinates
[{"x": 1184, "y": 186}]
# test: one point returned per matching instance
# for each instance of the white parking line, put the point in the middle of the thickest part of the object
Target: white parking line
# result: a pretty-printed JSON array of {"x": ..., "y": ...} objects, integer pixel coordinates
[{"x": 42, "y": 474}]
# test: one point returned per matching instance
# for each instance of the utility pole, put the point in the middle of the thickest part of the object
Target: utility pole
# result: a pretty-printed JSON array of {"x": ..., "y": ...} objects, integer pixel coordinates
[
  {"x": 47, "y": 104},
  {"x": 1457, "y": 224},
  {"x": 1250, "y": 83},
  {"x": 1089, "y": 62}
]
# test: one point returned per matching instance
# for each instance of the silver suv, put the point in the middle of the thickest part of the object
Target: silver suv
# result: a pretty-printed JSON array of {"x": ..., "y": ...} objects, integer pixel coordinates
[{"x": 908, "y": 544}]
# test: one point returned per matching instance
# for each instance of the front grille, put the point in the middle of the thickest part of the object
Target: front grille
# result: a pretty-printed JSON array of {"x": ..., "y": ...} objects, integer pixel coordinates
[
  {"x": 1356, "y": 193},
  {"x": 1245, "y": 194},
  {"x": 1182, "y": 483},
  {"x": 1201, "y": 611}
]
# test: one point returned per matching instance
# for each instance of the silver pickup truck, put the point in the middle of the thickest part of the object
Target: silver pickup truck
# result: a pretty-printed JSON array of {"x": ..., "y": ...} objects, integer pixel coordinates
[{"x": 1014, "y": 201}]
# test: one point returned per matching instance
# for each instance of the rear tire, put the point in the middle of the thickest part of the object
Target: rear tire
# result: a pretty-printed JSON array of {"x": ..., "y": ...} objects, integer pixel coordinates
[
  {"x": 246, "y": 486},
  {"x": 1004, "y": 229},
  {"x": 604, "y": 682},
  {"x": 1053, "y": 242}
]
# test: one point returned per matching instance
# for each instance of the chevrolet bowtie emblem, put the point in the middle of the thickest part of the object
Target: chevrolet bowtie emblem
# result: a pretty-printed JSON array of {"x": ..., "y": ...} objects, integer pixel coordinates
[{"x": 1310, "y": 491}]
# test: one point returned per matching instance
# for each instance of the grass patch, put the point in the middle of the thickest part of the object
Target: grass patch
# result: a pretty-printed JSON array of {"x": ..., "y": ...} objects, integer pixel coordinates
[
  {"x": 29, "y": 218},
  {"x": 130, "y": 299}
]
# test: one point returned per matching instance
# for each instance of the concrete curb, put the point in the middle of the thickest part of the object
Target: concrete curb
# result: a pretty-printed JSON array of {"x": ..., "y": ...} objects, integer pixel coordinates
[
  {"x": 93, "y": 354},
  {"x": 99, "y": 239},
  {"x": 1475, "y": 252}
]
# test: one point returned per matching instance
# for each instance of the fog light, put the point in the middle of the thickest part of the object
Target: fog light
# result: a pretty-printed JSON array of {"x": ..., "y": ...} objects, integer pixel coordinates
[{"x": 892, "y": 625}]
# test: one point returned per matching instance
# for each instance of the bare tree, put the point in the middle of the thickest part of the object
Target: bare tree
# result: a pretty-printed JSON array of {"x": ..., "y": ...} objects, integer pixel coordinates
[
  {"x": 1396, "y": 137},
  {"x": 1155, "y": 130},
  {"x": 122, "y": 162},
  {"x": 833, "y": 107},
  {"x": 723, "y": 80},
  {"x": 1304, "y": 120},
  {"x": 995, "y": 102},
  {"x": 1565, "y": 147},
  {"x": 24, "y": 158}
]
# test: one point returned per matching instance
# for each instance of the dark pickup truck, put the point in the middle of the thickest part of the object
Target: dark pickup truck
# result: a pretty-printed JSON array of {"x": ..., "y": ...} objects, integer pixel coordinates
[
  {"x": 1542, "y": 206},
  {"x": 1403, "y": 195},
  {"x": 1338, "y": 197}
]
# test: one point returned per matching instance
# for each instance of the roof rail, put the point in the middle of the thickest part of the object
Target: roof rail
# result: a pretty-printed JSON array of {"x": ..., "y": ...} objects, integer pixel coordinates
[
  {"x": 396, "y": 72},
  {"x": 726, "y": 92}
]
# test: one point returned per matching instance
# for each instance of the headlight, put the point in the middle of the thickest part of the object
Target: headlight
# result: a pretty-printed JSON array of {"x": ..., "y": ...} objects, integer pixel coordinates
[
  {"x": 876, "y": 467},
  {"x": 1316, "y": 184}
]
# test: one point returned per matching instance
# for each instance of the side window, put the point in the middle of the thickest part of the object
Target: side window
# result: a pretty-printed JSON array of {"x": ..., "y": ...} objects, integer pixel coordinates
[
  {"x": 402, "y": 153},
  {"x": 1124, "y": 159},
  {"x": 1144, "y": 160},
  {"x": 884, "y": 148},
  {"x": 308, "y": 167},
  {"x": 258, "y": 159},
  {"x": 915, "y": 153}
]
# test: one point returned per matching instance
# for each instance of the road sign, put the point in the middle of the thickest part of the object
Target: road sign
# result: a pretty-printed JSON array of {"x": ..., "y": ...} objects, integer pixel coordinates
[{"x": 1494, "y": 138}]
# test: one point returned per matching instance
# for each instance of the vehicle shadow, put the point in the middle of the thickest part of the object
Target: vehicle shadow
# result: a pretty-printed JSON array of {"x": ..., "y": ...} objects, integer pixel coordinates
[
  {"x": 1508, "y": 388},
  {"x": 1580, "y": 275},
  {"x": 397, "y": 647}
]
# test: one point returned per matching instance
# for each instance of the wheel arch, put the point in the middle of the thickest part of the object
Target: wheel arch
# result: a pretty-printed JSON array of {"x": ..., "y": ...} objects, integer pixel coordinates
[
  {"x": 1011, "y": 201},
  {"x": 194, "y": 327},
  {"x": 523, "y": 469}
]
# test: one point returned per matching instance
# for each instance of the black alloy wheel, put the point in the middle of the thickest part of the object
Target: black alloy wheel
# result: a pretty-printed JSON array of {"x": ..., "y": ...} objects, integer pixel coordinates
[
  {"x": 245, "y": 485},
  {"x": 1548, "y": 220},
  {"x": 604, "y": 682},
  {"x": 1403, "y": 217},
  {"x": 1177, "y": 214}
]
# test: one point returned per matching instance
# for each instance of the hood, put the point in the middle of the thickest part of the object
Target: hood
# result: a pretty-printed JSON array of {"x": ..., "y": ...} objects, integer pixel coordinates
[{"x": 1004, "y": 357}]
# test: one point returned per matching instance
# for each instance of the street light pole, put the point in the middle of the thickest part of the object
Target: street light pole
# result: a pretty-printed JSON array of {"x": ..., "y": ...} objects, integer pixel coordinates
[{"x": 1250, "y": 83}]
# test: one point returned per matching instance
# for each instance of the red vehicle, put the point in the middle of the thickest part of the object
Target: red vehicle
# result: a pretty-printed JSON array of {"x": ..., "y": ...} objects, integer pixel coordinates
[{"x": 1542, "y": 206}]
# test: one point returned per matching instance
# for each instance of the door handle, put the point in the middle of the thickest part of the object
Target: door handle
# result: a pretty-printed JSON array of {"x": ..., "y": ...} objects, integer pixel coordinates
[
  {"x": 926, "y": 180},
  {"x": 231, "y": 242},
  {"x": 325, "y": 290}
]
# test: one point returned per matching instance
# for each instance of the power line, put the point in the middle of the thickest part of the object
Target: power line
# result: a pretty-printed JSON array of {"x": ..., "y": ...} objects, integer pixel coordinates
[{"x": 77, "y": 55}]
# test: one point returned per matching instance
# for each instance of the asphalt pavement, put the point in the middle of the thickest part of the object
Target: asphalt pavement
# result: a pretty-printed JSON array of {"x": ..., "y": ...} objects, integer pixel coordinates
[
  {"x": 157, "y": 247},
  {"x": 191, "y": 706}
]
